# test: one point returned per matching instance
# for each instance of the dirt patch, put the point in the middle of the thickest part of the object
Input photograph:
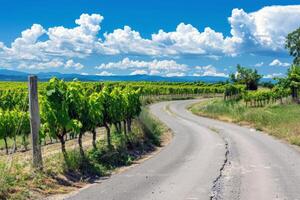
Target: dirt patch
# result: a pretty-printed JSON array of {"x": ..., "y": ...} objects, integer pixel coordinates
[{"x": 55, "y": 148}]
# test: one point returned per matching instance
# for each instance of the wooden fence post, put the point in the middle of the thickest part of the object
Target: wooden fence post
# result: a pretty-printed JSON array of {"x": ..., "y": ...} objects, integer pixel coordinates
[{"x": 35, "y": 122}]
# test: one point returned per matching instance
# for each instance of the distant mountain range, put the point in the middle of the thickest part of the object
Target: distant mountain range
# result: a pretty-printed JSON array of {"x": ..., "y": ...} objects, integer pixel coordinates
[{"x": 11, "y": 75}]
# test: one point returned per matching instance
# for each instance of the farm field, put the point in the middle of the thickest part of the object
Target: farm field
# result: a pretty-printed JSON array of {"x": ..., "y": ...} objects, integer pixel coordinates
[
  {"x": 149, "y": 100},
  {"x": 90, "y": 129},
  {"x": 71, "y": 114}
]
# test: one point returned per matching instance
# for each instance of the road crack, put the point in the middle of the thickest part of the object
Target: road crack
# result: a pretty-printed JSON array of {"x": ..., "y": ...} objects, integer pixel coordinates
[{"x": 216, "y": 188}]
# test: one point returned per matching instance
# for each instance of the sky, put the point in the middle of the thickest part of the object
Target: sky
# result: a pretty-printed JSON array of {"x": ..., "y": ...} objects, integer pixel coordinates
[{"x": 165, "y": 38}]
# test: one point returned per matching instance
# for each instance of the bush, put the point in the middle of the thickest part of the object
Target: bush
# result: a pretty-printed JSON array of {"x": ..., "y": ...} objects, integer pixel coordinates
[
  {"x": 110, "y": 158},
  {"x": 152, "y": 127}
]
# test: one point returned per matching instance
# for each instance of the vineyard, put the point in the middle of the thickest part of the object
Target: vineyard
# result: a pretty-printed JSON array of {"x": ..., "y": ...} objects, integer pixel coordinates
[
  {"x": 256, "y": 98},
  {"x": 71, "y": 112},
  {"x": 68, "y": 110}
]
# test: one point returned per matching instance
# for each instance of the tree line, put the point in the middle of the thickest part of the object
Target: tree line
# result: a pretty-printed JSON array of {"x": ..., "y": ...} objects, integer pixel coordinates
[{"x": 284, "y": 87}]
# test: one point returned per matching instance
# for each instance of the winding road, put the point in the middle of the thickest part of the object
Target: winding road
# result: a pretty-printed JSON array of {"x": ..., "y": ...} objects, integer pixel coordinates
[{"x": 206, "y": 159}]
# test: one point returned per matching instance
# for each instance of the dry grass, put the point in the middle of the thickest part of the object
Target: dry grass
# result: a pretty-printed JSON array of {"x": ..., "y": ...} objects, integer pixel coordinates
[
  {"x": 19, "y": 181},
  {"x": 281, "y": 121}
]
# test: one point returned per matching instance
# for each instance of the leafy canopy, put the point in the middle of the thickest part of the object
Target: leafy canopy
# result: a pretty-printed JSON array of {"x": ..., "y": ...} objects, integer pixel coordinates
[
  {"x": 293, "y": 45},
  {"x": 249, "y": 77}
]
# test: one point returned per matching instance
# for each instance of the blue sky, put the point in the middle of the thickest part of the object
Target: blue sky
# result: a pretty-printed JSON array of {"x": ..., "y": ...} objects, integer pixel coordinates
[{"x": 167, "y": 38}]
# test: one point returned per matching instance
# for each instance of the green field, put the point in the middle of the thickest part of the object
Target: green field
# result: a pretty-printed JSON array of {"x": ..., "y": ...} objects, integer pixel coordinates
[{"x": 281, "y": 121}]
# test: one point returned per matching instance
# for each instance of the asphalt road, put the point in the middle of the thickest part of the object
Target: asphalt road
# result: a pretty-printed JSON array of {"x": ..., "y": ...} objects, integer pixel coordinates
[{"x": 207, "y": 159}]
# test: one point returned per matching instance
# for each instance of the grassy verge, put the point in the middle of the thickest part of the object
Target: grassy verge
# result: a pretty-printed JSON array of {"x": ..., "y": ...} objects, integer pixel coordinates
[
  {"x": 19, "y": 181},
  {"x": 281, "y": 121},
  {"x": 146, "y": 100}
]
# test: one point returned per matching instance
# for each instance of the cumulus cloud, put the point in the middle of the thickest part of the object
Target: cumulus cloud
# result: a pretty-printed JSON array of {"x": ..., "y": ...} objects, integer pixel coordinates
[
  {"x": 160, "y": 67},
  {"x": 78, "y": 41},
  {"x": 61, "y": 43},
  {"x": 189, "y": 40},
  {"x": 196, "y": 74},
  {"x": 155, "y": 66},
  {"x": 128, "y": 41},
  {"x": 259, "y": 64},
  {"x": 274, "y": 75},
  {"x": 278, "y": 63},
  {"x": 265, "y": 29},
  {"x": 262, "y": 31},
  {"x": 139, "y": 72},
  {"x": 178, "y": 74},
  {"x": 154, "y": 72},
  {"x": 72, "y": 64},
  {"x": 105, "y": 73},
  {"x": 55, "y": 63},
  {"x": 27, "y": 47},
  {"x": 208, "y": 70}
]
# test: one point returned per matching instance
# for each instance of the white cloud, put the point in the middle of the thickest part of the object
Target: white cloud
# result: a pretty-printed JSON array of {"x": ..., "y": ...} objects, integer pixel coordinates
[
  {"x": 160, "y": 67},
  {"x": 278, "y": 63},
  {"x": 155, "y": 66},
  {"x": 175, "y": 74},
  {"x": 2, "y": 45},
  {"x": 265, "y": 29},
  {"x": 105, "y": 73},
  {"x": 27, "y": 47},
  {"x": 128, "y": 41},
  {"x": 139, "y": 72},
  {"x": 154, "y": 72},
  {"x": 72, "y": 64},
  {"x": 78, "y": 41},
  {"x": 55, "y": 63},
  {"x": 189, "y": 40},
  {"x": 60, "y": 43},
  {"x": 259, "y": 64},
  {"x": 208, "y": 70},
  {"x": 262, "y": 31},
  {"x": 274, "y": 75}
]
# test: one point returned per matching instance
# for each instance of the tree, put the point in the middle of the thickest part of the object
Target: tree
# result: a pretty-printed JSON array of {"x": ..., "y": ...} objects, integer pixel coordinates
[
  {"x": 246, "y": 76},
  {"x": 293, "y": 45},
  {"x": 294, "y": 80}
]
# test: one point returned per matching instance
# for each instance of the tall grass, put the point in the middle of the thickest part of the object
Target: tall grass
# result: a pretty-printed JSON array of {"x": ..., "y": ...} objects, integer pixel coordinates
[
  {"x": 59, "y": 175},
  {"x": 282, "y": 121},
  {"x": 152, "y": 127}
]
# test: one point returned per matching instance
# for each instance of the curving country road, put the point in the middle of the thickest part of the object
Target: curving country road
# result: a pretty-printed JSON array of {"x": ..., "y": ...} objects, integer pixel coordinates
[{"x": 206, "y": 159}]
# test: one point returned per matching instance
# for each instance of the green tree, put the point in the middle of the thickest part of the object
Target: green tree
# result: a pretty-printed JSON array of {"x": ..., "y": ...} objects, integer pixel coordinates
[
  {"x": 246, "y": 76},
  {"x": 293, "y": 45},
  {"x": 294, "y": 81}
]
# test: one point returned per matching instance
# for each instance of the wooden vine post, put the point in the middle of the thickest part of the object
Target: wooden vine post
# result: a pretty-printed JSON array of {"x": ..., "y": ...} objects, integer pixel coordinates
[{"x": 35, "y": 122}]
